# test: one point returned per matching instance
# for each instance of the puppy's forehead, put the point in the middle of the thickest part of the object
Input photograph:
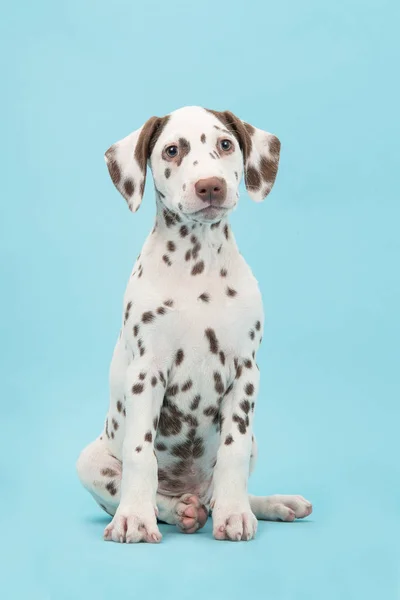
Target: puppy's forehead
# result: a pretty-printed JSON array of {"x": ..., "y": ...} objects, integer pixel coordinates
[{"x": 190, "y": 121}]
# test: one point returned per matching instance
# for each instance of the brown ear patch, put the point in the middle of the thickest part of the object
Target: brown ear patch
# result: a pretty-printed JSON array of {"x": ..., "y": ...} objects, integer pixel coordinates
[
  {"x": 129, "y": 187},
  {"x": 148, "y": 137},
  {"x": 112, "y": 165}
]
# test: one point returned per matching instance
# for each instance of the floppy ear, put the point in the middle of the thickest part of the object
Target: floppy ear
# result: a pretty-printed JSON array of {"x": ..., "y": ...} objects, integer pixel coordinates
[
  {"x": 260, "y": 154},
  {"x": 127, "y": 160}
]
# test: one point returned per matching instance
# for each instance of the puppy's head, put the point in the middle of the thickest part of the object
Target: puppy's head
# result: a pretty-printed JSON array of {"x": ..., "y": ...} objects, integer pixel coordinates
[{"x": 197, "y": 157}]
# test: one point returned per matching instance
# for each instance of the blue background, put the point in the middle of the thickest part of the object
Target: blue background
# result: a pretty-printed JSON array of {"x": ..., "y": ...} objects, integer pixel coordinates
[{"x": 80, "y": 75}]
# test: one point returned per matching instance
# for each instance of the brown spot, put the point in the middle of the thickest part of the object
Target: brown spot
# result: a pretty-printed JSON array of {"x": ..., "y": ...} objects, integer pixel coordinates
[
  {"x": 245, "y": 406},
  {"x": 236, "y": 175},
  {"x": 166, "y": 260},
  {"x": 161, "y": 310},
  {"x": 228, "y": 440},
  {"x": 252, "y": 410},
  {"x": 138, "y": 449},
  {"x": 169, "y": 303},
  {"x": 212, "y": 338},
  {"x": 204, "y": 297},
  {"x": 223, "y": 272},
  {"x": 191, "y": 421},
  {"x": 110, "y": 487},
  {"x": 184, "y": 147},
  {"x": 167, "y": 173},
  {"x": 219, "y": 386},
  {"x": 107, "y": 472},
  {"x": 179, "y": 357},
  {"x": 148, "y": 437},
  {"x": 195, "y": 250},
  {"x": 231, "y": 292},
  {"x": 195, "y": 402},
  {"x": 112, "y": 435},
  {"x": 187, "y": 385},
  {"x": 188, "y": 255},
  {"x": 248, "y": 363},
  {"x": 172, "y": 390},
  {"x": 137, "y": 388},
  {"x": 212, "y": 155},
  {"x": 115, "y": 424},
  {"x": 252, "y": 178},
  {"x": 154, "y": 381},
  {"x": 258, "y": 325},
  {"x": 127, "y": 311},
  {"x": 198, "y": 447},
  {"x": 196, "y": 162},
  {"x": 226, "y": 231},
  {"x": 142, "y": 376},
  {"x": 219, "y": 249},
  {"x": 183, "y": 231},
  {"x": 129, "y": 187},
  {"x": 215, "y": 225},
  {"x": 241, "y": 423},
  {"x": 203, "y": 138},
  {"x": 238, "y": 371},
  {"x": 198, "y": 268},
  {"x": 171, "y": 246},
  {"x": 222, "y": 357},
  {"x": 119, "y": 406},
  {"x": 211, "y": 411},
  {"x": 161, "y": 447},
  {"x": 251, "y": 334},
  {"x": 249, "y": 389},
  {"x": 147, "y": 317},
  {"x": 170, "y": 422}
]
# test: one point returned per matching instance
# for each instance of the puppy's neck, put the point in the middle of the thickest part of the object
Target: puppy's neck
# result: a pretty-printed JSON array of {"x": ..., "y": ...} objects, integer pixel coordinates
[{"x": 185, "y": 246}]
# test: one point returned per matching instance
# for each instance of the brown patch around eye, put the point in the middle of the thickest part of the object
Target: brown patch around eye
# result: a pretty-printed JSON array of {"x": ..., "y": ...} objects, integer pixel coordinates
[
  {"x": 184, "y": 149},
  {"x": 253, "y": 178},
  {"x": 203, "y": 138}
]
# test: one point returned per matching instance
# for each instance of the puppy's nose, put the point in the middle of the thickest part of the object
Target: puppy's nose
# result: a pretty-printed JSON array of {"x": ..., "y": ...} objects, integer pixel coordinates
[{"x": 212, "y": 189}]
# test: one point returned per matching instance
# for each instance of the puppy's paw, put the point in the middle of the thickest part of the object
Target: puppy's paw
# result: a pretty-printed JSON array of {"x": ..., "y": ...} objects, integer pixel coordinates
[
  {"x": 285, "y": 508},
  {"x": 190, "y": 513},
  {"x": 235, "y": 523},
  {"x": 132, "y": 527}
]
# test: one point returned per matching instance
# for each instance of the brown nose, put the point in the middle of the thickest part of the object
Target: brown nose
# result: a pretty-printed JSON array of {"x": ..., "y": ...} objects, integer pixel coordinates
[{"x": 211, "y": 190}]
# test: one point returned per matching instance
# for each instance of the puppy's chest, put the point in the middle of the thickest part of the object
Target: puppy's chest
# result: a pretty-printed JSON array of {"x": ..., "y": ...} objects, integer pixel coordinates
[{"x": 212, "y": 313}]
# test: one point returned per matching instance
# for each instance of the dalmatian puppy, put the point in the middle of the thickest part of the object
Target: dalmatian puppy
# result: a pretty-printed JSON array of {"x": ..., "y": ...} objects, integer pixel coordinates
[{"x": 177, "y": 441}]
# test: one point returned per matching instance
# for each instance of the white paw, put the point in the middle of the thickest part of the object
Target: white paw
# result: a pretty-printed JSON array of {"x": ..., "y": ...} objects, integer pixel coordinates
[
  {"x": 132, "y": 527},
  {"x": 235, "y": 522},
  {"x": 190, "y": 513},
  {"x": 286, "y": 508}
]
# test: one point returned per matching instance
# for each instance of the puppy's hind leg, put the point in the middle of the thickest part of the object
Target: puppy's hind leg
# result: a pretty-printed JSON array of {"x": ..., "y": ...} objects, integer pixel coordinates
[
  {"x": 100, "y": 473},
  {"x": 280, "y": 507},
  {"x": 277, "y": 507}
]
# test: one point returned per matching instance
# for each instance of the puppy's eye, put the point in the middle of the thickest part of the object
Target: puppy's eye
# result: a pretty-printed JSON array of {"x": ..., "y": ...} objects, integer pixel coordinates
[
  {"x": 225, "y": 145},
  {"x": 171, "y": 151}
]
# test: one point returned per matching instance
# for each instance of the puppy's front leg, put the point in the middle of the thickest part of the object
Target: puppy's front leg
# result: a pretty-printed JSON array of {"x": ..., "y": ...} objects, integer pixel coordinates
[
  {"x": 135, "y": 519},
  {"x": 232, "y": 516}
]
